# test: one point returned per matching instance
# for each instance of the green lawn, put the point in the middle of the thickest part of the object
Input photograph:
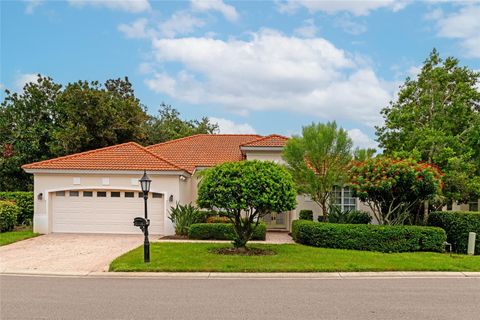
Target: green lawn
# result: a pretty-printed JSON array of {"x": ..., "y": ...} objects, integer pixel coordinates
[
  {"x": 14, "y": 236},
  {"x": 289, "y": 258}
]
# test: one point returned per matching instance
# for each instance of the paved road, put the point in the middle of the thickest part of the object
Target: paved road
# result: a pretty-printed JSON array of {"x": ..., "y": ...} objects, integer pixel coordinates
[{"x": 26, "y": 297}]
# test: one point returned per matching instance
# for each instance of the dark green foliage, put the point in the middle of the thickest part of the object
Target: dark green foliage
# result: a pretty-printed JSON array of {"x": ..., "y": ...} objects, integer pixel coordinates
[
  {"x": 222, "y": 231},
  {"x": 246, "y": 191},
  {"x": 350, "y": 217},
  {"x": 45, "y": 121},
  {"x": 306, "y": 215},
  {"x": 318, "y": 160},
  {"x": 436, "y": 117},
  {"x": 24, "y": 201},
  {"x": 458, "y": 224},
  {"x": 183, "y": 216},
  {"x": 168, "y": 126},
  {"x": 8, "y": 215},
  {"x": 369, "y": 237}
]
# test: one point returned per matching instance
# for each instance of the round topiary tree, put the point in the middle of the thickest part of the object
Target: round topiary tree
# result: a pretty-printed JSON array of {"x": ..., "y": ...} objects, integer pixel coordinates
[
  {"x": 246, "y": 191},
  {"x": 392, "y": 187}
]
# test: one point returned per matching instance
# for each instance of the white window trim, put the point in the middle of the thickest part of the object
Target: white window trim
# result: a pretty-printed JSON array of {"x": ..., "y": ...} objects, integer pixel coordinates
[{"x": 342, "y": 199}]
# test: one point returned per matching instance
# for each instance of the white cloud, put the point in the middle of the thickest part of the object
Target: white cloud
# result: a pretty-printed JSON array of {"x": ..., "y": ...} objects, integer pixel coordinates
[
  {"x": 180, "y": 23},
  {"x": 355, "y": 7},
  {"x": 135, "y": 30},
  {"x": 349, "y": 25},
  {"x": 228, "y": 126},
  {"x": 133, "y": 6},
  {"x": 361, "y": 139},
  {"x": 308, "y": 30},
  {"x": 32, "y": 5},
  {"x": 463, "y": 25},
  {"x": 270, "y": 72},
  {"x": 22, "y": 79},
  {"x": 228, "y": 11}
]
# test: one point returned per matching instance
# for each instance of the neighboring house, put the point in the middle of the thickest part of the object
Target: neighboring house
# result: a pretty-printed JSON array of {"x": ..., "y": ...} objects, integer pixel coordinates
[{"x": 98, "y": 191}]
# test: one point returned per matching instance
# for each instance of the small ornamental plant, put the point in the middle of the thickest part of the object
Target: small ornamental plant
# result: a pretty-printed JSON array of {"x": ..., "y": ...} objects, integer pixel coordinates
[
  {"x": 245, "y": 192},
  {"x": 392, "y": 187}
]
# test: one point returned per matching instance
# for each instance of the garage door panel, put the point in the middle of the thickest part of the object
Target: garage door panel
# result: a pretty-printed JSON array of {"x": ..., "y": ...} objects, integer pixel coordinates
[{"x": 104, "y": 214}]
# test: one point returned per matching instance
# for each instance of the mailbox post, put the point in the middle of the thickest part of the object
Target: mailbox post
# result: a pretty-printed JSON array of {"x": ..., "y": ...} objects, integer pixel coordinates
[{"x": 143, "y": 223}]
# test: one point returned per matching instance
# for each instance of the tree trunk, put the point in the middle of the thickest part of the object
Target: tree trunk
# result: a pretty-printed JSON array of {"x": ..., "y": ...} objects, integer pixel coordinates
[{"x": 425, "y": 212}]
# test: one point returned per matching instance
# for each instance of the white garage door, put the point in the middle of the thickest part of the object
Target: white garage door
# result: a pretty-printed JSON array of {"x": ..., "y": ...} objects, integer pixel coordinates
[{"x": 104, "y": 211}]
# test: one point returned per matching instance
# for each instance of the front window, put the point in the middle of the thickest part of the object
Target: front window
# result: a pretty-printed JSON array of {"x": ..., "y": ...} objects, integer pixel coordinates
[
  {"x": 343, "y": 199},
  {"x": 473, "y": 205}
]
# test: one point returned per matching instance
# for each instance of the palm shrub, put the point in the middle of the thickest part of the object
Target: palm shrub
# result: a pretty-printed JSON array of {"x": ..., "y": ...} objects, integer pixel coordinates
[
  {"x": 8, "y": 215},
  {"x": 336, "y": 215},
  {"x": 306, "y": 215},
  {"x": 183, "y": 216}
]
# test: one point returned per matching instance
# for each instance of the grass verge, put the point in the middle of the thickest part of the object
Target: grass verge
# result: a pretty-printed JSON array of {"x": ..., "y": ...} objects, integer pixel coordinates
[
  {"x": 198, "y": 257},
  {"x": 14, "y": 236}
]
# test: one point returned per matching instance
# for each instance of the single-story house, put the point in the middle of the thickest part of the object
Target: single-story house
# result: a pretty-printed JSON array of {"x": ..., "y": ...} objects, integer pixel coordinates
[{"x": 98, "y": 191}]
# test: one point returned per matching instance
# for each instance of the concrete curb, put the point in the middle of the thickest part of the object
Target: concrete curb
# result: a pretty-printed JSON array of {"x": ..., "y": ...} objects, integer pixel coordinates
[{"x": 235, "y": 275}]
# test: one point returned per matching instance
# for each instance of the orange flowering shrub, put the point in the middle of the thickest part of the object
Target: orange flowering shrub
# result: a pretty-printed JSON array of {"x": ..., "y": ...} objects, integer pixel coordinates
[{"x": 391, "y": 187}]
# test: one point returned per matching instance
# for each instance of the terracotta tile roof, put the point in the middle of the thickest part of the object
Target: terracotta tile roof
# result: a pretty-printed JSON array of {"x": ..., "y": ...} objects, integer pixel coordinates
[
  {"x": 273, "y": 140},
  {"x": 126, "y": 156},
  {"x": 203, "y": 150}
]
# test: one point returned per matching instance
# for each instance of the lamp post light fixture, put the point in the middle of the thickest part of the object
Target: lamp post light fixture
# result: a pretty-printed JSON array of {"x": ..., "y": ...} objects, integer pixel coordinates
[{"x": 143, "y": 223}]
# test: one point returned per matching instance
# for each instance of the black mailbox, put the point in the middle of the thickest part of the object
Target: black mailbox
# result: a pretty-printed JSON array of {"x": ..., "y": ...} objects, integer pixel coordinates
[{"x": 141, "y": 222}]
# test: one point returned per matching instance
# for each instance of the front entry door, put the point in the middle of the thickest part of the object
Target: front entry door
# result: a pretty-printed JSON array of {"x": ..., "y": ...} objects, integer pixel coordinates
[{"x": 276, "y": 220}]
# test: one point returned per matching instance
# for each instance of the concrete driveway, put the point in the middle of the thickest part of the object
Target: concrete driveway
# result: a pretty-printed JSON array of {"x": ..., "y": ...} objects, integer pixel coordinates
[{"x": 69, "y": 253}]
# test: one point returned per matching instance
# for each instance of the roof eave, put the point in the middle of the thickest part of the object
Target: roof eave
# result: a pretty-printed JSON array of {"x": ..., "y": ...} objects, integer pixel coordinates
[
  {"x": 105, "y": 171},
  {"x": 263, "y": 148}
]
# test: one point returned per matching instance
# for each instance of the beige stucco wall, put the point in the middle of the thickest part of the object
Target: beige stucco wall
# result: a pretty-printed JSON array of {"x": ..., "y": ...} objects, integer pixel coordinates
[{"x": 47, "y": 183}]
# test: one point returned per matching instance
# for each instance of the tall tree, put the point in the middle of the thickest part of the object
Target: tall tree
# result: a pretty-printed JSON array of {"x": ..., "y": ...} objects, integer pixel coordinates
[
  {"x": 168, "y": 126},
  {"x": 26, "y": 122},
  {"x": 318, "y": 161},
  {"x": 92, "y": 116},
  {"x": 436, "y": 117},
  {"x": 46, "y": 121}
]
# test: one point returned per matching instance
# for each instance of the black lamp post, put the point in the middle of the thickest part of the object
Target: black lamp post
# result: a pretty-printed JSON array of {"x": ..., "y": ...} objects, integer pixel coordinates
[{"x": 145, "y": 182}]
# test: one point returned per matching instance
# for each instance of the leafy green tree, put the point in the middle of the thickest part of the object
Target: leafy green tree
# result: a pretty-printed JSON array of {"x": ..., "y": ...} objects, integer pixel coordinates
[
  {"x": 92, "y": 116},
  {"x": 45, "y": 121},
  {"x": 27, "y": 120},
  {"x": 318, "y": 161},
  {"x": 391, "y": 188},
  {"x": 364, "y": 154},
  {"x": 168, "y": 126},
  {"x": 246, "y": 191},
  {"x": 436, "y": 118}
]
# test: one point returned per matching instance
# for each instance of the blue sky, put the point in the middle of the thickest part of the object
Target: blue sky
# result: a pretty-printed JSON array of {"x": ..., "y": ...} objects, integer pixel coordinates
[{"x": 264, "y": 67}]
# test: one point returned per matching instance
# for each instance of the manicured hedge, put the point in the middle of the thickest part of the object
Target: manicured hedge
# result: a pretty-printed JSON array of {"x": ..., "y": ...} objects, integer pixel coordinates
[
  {"x": 306, "y": 215},
  {"x": 221, "y": 231},
  {"x": 368, "y": 237},
  {"x": 457, "y": 224},
  {"x": 24, "y": 200},
  {"x": 8, "y": 215}
]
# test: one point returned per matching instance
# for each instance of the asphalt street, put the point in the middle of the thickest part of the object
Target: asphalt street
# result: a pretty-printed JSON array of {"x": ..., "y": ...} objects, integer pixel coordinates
[{"x": 39, "y": 297}]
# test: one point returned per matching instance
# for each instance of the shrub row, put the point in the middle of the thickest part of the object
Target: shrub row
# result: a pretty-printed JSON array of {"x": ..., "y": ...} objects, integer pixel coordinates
[
  {"x": 306, "y": 215},
  {"x": 221, "y": 231},
  {"x": 457, "y": 224},
  {"x": 24, "y": 200},
  {"x": 369, "y": 237},
  {"x": 9, "y": 212}
]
